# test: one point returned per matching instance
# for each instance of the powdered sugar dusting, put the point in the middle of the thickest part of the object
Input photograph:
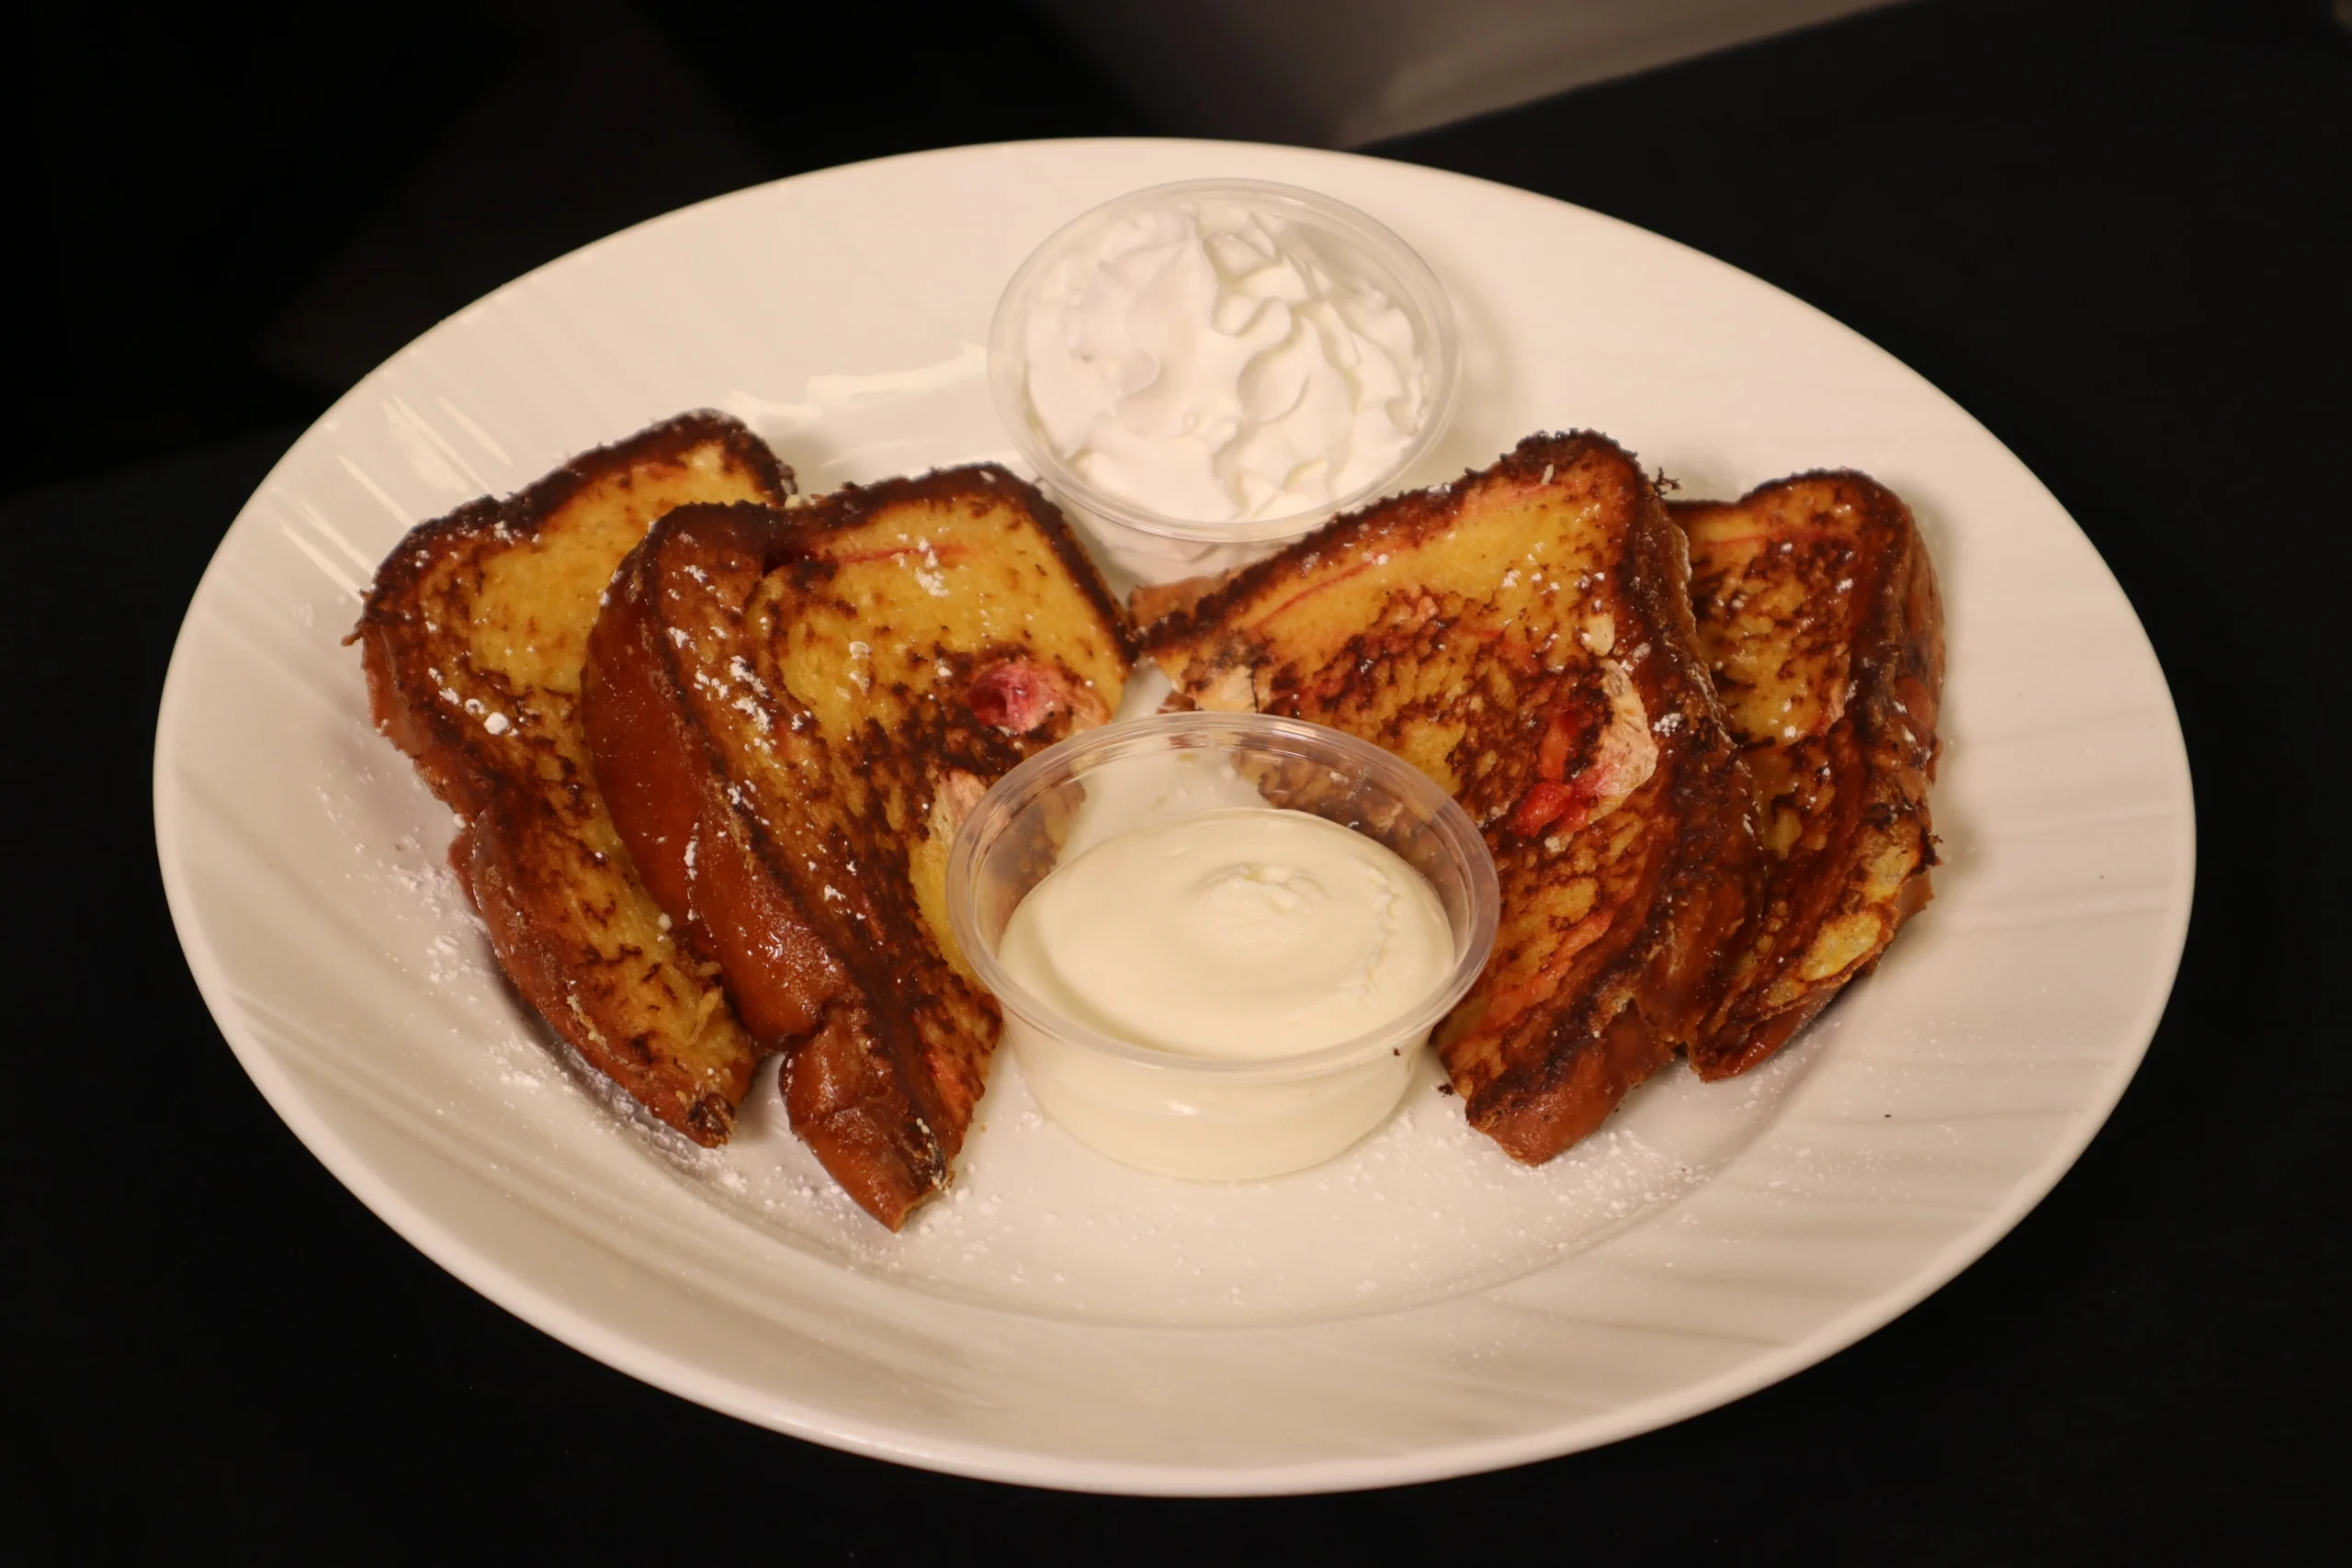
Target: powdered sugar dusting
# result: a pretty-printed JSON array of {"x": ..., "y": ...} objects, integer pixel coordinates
[{"x": 1423, "y": 1209}]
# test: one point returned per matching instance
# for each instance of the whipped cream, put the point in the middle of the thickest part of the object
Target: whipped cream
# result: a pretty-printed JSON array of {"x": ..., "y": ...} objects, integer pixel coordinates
[
  {"x": 1240, "y": 933},
  {"x": 1215, "y": 362}
]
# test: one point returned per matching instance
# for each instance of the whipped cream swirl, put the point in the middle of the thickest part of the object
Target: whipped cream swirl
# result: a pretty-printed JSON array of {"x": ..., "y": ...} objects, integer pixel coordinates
[{"x": 1218, "y": 363}]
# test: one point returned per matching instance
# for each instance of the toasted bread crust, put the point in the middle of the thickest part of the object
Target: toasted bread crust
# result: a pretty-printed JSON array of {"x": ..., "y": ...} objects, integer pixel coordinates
[
  {"x": 1525, "y": 637},
  {"x": 1820, "y": 616},
  {"x": 472, "y": 639},
  {"x": 819, "y": 694}
]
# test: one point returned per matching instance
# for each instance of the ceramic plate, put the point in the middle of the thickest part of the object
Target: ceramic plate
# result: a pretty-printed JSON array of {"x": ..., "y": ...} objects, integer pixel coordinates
[{"x": 1422, "y": 1307}]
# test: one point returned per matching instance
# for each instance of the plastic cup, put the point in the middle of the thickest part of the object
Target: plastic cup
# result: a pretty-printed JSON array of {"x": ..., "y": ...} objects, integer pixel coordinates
[{"x": 1168, "y": 1112}]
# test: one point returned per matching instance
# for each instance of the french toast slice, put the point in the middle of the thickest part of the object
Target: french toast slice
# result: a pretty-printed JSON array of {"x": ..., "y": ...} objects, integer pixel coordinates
[
  {"x": 1524, "y": 637},
  {"x": 794, "y": 710},
  {"x": 1820, "y": 616},
  {"x": 473, "y": 638}
]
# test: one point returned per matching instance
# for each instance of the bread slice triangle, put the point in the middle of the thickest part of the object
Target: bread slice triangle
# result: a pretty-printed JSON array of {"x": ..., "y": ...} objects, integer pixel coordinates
[
  {"x": 1524, "y": 635},
  {"x": 794, "y": 710},
  {"x": 473, "y": 638},
  {"x": 1820, "y": 619}
]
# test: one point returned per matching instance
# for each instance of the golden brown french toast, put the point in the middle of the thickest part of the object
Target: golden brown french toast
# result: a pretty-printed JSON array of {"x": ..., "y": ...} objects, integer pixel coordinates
[
  {"x": 1820, "y": 616},
  {"x": 793, "y": 711},
  {"x": 1524, "y": 637},
  {"x": 474, "y": 639}
]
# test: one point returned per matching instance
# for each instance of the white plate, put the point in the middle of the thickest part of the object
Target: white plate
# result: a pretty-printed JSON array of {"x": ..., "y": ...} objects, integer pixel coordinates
[{"x": 1424, "y": 1307}]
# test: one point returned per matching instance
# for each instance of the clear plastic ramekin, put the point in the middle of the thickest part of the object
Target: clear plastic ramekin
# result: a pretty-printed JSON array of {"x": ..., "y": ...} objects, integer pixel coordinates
[
  {"x": 1211, "y": 1118},
  {"x": 1152, "y": 546}
]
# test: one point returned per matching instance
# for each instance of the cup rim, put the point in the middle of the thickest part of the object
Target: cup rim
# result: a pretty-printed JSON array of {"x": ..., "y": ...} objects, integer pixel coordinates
[
  {"x": 1423, "y": 296},
  {"x": 1308, "y": 740}
]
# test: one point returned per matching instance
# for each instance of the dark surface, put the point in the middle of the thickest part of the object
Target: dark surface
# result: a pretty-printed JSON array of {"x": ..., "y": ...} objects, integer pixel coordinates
[{"x": 2116, "y": 233}]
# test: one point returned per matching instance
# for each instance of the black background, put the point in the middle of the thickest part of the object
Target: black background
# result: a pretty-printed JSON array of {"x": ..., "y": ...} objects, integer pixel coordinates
[{"x": 2115, "y": 233}]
